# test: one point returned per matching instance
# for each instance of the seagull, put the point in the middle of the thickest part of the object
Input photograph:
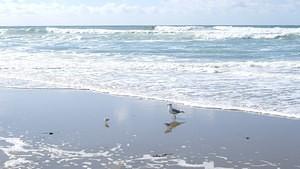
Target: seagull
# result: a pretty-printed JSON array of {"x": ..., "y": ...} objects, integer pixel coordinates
[{"x": 173, "y": 110}]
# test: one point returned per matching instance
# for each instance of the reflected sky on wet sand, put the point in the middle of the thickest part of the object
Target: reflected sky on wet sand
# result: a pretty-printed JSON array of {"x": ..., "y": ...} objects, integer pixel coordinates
[{"x": 137, "y": 134}]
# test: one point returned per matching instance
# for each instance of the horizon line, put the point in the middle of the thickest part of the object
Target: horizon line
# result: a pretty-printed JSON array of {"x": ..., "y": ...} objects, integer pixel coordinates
[{"x": 74, "y": 25}]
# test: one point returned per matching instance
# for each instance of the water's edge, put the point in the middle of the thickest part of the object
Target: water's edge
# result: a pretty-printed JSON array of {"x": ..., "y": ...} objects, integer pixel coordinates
[{"x": 253, "y": 112}]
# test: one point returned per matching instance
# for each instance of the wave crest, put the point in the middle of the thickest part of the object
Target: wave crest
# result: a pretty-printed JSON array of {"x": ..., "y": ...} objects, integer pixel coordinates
[
  {"x": 195, "y": 32},
  {"x": 177, "y": 32}
]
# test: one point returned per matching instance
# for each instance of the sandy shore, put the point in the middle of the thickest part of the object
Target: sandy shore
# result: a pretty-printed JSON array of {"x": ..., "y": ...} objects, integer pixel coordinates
[{"x": 67, "y": 129}]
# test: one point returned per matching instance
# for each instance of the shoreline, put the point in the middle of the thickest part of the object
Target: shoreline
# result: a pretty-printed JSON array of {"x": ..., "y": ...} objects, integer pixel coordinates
[
  {"x": 139, "y": 134},
  {"x": 241, "y": 110}
]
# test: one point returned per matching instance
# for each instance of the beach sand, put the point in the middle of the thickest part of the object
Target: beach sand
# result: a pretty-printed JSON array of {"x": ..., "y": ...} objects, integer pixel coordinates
[{"x": 46, "y": 128}]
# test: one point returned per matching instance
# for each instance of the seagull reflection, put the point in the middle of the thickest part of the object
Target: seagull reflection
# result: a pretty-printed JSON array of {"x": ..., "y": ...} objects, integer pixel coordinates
[
  {"x": 106, "y": 120},
  {"x": 173, "y": 124}
]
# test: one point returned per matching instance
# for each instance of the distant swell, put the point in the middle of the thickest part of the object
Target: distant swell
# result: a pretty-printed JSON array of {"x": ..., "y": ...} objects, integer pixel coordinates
[
  {"x": 198, "y": 32},
  {"x": 179, "y": 32}
]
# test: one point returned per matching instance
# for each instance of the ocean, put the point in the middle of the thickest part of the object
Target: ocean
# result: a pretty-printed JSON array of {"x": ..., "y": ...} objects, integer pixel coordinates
[{"x": 247, "y": 68}]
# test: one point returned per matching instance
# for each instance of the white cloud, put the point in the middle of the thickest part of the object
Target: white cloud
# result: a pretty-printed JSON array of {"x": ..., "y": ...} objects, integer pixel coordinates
[{"x": 20, "y": 12}]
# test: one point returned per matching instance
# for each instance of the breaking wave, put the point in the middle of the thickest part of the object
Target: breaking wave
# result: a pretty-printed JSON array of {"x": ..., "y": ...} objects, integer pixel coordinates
[
  {"x": 268, "y": 87},
  {"x": 228, "y": 67},
  {"x": 194, "y": 32}
]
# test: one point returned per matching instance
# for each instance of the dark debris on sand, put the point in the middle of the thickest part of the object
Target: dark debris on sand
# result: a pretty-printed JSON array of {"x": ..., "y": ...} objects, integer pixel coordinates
[{"x": 161, "y": 155}]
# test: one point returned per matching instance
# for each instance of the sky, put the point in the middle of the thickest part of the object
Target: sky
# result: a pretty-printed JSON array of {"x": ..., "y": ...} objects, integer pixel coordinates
[{"x": 149, "y": 12}]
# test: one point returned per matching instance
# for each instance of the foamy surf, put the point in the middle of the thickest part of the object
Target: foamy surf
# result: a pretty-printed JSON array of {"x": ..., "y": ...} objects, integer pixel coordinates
[
  {"x": 253, "y": 69},
  {"x": 27, "y": 154}
]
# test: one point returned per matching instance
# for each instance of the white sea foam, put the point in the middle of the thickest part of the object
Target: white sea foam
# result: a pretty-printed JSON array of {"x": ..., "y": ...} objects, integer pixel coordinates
[
  {"x": 255, "y": 32},
  {"x": 22, "y": 154},
  {"x": 269, "y": 87},
  {"x": 177, "y": 28},
  {"x": 204, "y": 165},
  {"x": 195, "y": 32},
  {"x": 162, "y": 62},
  {"x": 162, "y": 33},
  {"x": 91, "y": 31},
  {"x": 3, "y": 31},
  {"x": 15, "y": 150}
]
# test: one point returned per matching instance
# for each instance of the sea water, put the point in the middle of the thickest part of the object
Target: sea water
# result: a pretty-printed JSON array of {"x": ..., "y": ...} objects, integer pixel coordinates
[{"x": 248, "y": 68}]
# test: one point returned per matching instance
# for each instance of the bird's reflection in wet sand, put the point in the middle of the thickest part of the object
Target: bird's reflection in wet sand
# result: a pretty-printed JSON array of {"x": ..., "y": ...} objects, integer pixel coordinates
[
  {"x": 106, "y": 124},
  {"x": 172, "y": 125}
]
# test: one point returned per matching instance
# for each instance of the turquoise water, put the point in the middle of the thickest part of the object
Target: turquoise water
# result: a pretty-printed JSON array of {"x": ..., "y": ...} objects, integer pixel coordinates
[{"x": 251, "y": 68}]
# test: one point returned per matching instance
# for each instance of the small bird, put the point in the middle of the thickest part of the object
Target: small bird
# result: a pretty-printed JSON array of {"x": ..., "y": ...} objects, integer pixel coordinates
[{"x": 173, "y": 110}]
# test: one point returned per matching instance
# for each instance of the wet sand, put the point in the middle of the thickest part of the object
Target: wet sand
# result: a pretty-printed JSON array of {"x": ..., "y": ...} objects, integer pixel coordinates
[{"x": 46, "y": 128}]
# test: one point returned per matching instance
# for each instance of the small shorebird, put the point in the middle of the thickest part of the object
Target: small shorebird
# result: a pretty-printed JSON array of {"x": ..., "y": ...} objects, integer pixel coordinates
[{"x": 173, "y": 110}]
